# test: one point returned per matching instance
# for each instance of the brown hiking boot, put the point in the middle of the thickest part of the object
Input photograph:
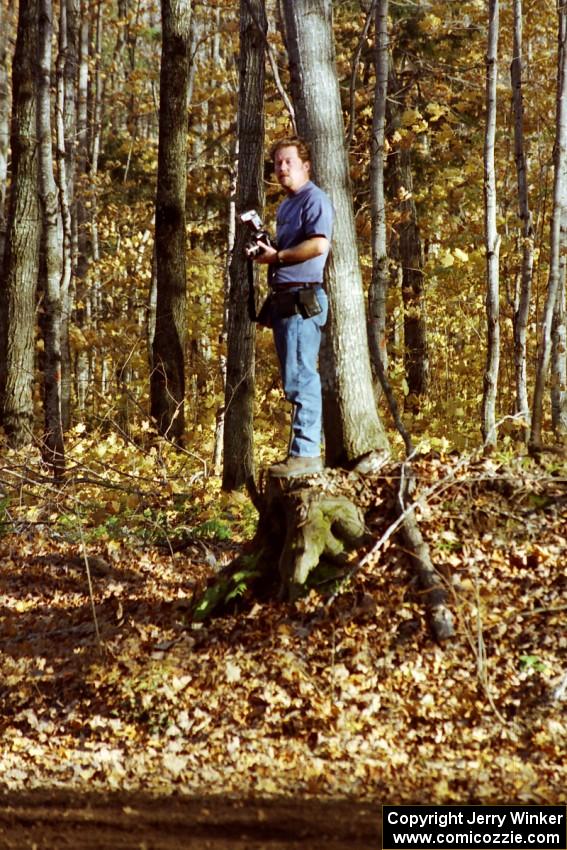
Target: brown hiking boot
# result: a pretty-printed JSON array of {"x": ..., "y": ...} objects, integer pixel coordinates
[{"x": 295, "y": 466}]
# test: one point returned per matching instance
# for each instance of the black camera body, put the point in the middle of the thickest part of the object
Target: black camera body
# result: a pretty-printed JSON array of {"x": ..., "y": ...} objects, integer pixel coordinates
[{"x": 259, "y": 234}]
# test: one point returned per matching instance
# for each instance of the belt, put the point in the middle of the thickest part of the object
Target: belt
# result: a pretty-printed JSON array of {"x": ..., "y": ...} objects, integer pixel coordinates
[{"x": 295, "y": 284}]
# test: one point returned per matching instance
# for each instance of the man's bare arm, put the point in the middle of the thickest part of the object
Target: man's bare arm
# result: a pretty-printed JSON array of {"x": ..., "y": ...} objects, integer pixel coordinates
[{"x": 306, "y": 250}]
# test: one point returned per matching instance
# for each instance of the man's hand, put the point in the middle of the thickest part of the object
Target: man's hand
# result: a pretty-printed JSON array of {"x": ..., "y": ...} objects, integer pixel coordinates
[{"x": 268, "y": 255}]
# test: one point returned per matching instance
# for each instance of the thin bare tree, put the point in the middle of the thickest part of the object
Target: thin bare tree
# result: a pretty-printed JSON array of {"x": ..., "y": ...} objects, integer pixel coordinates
[
  {"x": 5, "y": 55},
  {"x": 523, "y": 292},
  {"x": 65, "y": 122},
  {"x": 553, "y": 285},
  {"x": 380, "y": 267},
  {"x": 50, "y": 269},
  {"x": 559, "y": 353},
  {"x": 492, "y": 239},
  {"x": 81, "y": 241},
  {"x": 559, "y": 325}
]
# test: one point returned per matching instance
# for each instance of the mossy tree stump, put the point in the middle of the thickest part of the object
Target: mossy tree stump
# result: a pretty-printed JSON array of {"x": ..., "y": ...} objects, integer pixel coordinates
[
  {"x": 303, "y": 524},
  {"x": 312, "y": 522}
]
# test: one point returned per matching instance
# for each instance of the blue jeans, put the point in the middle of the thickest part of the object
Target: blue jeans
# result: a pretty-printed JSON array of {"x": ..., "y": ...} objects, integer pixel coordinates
[{"x": 297, "y": 344}]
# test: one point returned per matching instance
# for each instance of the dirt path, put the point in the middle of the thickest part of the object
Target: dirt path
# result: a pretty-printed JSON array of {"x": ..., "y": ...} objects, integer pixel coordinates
[{"x": 59, "y": 821}]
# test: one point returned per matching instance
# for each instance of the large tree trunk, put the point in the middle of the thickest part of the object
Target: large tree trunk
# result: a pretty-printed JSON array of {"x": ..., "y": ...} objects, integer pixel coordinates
[
  {"x": 19, "y": 280},
  {"x": 522, "y": 299},
  {"x": 351, "y": 422},
  {"x": 492, "y": 238},
  {"x": 167, "y": 383},
  {"x": 553, "y": 285},
  {"x": 238, "y": 465},
  {"x": 380, "y": 266},
  {"x": 50, "y": 273}
]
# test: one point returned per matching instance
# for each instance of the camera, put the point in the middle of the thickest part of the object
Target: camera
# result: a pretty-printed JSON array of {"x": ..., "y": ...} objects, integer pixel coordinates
[{"x": 259, "y": 234}]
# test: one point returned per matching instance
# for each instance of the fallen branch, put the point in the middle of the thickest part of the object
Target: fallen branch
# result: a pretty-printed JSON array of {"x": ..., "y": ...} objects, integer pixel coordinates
[{"x": 431, "y": 582}]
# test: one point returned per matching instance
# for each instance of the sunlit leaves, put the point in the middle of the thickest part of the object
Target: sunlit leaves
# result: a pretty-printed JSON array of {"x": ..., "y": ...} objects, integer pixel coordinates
[{"x": 327, "y": 700}]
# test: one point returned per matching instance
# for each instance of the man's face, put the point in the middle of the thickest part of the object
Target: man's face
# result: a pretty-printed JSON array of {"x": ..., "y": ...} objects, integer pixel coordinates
[{"x": 291, "y": 171}]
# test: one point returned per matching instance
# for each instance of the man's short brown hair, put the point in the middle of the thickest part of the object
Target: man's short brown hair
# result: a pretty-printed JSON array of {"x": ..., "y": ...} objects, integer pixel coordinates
[{"x": 303, "y": 150}]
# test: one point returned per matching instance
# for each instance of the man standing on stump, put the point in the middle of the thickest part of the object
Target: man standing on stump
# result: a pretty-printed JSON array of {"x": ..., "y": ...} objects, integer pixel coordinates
[{"x": 299, "y": 306}]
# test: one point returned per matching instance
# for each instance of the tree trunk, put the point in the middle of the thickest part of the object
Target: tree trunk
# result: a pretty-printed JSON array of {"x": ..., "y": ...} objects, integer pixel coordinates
[
  {"x": 21, "y": 263},
  {"x": 522, "y": 303},
  {"x": 351, "y": 422},
  {"x": 409, "y": 250},
  {"x": 132, "y": 31},
  {"x": 167, "y": 383},
  {"x": 559, "y": 360},
  {"x": 559, "y": 327},
  {"x": 238, "y": 465},
  {"x": 65, "y": 116},
  {"x": 117, "y": 72},
  {"x": 95, "y": 130},
  {"x": 380, "y": 266},
  {"x": 553, "y": 285},
  {"x": 218, "y": 449},
  {"x": 50, "y": 272},
  {"x": 81, "y": 241},
  {"x": 5, "y": 33},
  {"x": 492, "y": 239},
  {"x": 152, "y": 306}
]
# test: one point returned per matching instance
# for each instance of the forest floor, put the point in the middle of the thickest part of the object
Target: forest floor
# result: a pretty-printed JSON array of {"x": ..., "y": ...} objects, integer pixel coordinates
[{"x": 123, "y": 724}]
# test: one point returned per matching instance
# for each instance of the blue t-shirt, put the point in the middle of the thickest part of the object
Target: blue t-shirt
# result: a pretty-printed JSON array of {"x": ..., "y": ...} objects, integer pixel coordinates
[{"x": 301, "y": 216}]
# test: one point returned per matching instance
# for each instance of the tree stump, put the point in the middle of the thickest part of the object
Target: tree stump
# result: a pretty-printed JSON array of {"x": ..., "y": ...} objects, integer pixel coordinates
[
  {"x": 306, "y": 527},
  {"x": 303, "y": 523}
]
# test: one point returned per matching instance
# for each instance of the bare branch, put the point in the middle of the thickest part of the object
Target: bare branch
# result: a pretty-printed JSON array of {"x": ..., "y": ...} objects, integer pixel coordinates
[
  {"x": 273, "y": 65},
  {"x": 355, "y": 64}
]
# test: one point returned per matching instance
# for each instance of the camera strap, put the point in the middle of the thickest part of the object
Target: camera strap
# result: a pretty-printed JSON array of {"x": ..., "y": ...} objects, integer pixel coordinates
[{"x": 254, "y": 314}]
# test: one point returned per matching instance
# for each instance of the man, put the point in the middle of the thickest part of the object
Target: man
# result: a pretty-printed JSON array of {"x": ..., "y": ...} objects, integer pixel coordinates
[{"x": 299, "y": 310}]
